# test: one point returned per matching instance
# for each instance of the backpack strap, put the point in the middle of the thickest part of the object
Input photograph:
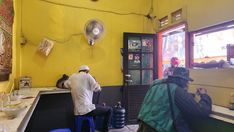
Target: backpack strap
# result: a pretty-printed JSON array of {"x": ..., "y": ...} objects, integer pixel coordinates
[{"x": 170, "y": 101}]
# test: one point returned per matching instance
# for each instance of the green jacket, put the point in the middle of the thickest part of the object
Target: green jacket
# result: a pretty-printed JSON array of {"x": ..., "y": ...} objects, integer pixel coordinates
[{"x": 155, "y": 110}]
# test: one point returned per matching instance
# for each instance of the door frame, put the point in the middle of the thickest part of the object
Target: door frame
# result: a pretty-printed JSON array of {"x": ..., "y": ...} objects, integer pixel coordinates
[
  {"x": 187, "y": 49},
  {"x": 133, "y": 95}
]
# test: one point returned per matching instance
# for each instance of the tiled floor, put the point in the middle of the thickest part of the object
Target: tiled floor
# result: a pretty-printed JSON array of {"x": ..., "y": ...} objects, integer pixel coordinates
[{"x": 128, "y": 128}]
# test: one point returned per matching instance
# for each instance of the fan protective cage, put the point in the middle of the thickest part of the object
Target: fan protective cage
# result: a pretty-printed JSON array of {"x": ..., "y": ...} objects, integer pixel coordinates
[{"x": 94, "y": 29}]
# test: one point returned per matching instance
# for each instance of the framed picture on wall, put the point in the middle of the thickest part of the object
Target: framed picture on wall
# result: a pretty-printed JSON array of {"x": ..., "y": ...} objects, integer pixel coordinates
[{"x": 25, "y": 82}]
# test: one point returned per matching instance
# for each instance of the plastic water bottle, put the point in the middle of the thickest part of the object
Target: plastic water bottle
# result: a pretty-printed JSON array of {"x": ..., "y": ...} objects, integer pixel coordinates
[{"x": 118, "y": 118}]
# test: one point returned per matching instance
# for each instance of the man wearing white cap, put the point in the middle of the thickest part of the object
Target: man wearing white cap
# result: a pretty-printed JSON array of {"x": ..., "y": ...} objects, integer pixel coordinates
[{"x": 82, "y": 86}]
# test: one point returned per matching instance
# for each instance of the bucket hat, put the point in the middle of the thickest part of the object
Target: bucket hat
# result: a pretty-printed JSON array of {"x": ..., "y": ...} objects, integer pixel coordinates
[{"x": 181, "y": 72}]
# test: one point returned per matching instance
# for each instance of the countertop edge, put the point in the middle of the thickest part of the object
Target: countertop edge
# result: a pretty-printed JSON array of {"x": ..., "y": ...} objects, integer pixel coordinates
[
  {"x": 28, "y": 115},
  {"x": 223, "y": 114},
  {"x": 218, "y": 112}
]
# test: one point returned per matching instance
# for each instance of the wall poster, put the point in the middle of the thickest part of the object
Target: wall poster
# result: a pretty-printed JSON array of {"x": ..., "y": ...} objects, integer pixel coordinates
[{"x": 6, "y": 23}]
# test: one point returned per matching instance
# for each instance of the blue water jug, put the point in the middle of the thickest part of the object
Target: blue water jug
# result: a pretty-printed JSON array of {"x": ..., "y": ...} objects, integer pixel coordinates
[{"x": 118, "y": 117}]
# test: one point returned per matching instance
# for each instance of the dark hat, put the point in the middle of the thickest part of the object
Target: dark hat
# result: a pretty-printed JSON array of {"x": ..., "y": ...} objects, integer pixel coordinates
[{"x": 181, "y": 72}]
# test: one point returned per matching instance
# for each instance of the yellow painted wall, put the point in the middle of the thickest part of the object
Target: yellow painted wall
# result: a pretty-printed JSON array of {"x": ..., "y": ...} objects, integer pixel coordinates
[
  {"x": 5, "y": 86},
  {"x": 166, "y": 7},
  {"x": 204, "y": 13},
  {"x": 200, "y": 14},
  {"x": 35, "y": 19},
  {"x": 218, "y": 82},
  {"x": 56, "y": 20}
]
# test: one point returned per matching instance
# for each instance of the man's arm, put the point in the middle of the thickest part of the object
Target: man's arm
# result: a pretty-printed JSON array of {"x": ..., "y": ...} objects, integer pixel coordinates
[
  {"x": 94, "y": 86},
  {"x": 67, "y": 84},
  {"x": 187, "y": 104}
]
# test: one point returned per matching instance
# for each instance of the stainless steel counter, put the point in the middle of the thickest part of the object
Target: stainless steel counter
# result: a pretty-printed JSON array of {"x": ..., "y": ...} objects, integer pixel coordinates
[{"x": 25, "y": 120}]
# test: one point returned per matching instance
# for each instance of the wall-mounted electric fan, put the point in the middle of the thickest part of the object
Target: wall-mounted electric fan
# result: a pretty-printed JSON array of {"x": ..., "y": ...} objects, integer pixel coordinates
[{"x": 94, "y": 30}]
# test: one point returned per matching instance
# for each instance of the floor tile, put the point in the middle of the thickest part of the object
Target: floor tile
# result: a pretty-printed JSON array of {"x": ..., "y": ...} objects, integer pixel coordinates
[{"x": 128, "y": 128}]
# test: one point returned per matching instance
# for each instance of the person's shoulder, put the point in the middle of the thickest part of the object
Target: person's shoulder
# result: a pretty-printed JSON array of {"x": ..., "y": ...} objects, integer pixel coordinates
[
  {"x": 159, "y": 81},
  {"x": 74, "y": 75},
  {"x": 88, "y": 75}
]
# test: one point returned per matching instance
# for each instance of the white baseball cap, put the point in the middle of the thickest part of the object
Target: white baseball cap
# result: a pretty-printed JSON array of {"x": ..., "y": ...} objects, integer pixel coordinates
[{"x": 84, "y": 67}]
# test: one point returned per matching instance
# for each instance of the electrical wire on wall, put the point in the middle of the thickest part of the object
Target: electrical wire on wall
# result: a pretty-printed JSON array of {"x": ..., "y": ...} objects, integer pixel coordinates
[
  {"x": 67, "y": 39},
  {"x": 92, "y": 9},
  {"x": 23, "y": 40},
  {"x": 149, "y": 16},
  {"x": 58, "y": 41}
]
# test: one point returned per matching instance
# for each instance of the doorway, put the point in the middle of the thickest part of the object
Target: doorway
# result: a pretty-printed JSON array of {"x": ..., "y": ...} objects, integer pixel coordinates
[{"x": 139, "y": 70}]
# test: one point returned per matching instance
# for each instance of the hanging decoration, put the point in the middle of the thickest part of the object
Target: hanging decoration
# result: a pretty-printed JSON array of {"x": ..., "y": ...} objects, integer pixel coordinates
[
  {"x": 6, "y": 22},
  {"x": 45, "y": 46}
]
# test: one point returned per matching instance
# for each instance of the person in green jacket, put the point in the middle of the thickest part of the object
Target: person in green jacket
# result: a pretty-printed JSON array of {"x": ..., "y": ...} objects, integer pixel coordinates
[{"x": 167, "y": 104}]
